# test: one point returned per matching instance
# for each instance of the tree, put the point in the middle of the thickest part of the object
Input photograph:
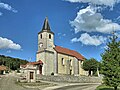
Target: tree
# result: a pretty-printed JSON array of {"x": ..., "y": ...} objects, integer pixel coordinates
[
  {"x": 111, "y": 63},
  {"x": 11, "y": 63},
  {"x": 90, "y": 65}
]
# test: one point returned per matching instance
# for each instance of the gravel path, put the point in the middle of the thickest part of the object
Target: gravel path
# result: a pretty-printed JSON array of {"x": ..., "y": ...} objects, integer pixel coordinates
[{"x": 8, "y": 83}]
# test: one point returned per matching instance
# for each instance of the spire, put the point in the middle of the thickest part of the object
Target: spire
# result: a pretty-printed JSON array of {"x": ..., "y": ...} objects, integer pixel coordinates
[{"x": 46, "y": 25}]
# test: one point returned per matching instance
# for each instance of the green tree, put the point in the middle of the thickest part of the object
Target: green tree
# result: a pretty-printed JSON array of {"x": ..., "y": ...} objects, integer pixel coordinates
[
  {"x": 11, "y": 63},
  {"x": 111, "y": 63},
  {"x": 91, "y": 65}
]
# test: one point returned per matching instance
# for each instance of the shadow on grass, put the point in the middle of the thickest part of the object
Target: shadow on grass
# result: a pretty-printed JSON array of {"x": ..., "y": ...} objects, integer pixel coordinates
[
  {"x": 106, "y": 89},
  {"x": 103, "y": 87}
]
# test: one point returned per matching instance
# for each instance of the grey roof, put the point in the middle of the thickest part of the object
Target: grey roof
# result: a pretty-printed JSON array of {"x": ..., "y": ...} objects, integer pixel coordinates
[
  {"x": 46, "y": 24},
  {"x": 46, "y": 27}
]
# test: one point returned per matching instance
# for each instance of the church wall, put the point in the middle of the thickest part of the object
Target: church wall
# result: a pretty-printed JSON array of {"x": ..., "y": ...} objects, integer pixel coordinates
[
  {"x": 80, "y": 67},
  {"x": 41, "y": 56},
  {"x": 81, "y": 70},
  {"x": 48, "y": 43},
  {"x": 42, "y": 40},
  {"x": 49, "y": 63},
  {"x": 66, "y": 66},
  {"x": 76, "y": 67},
  {"x": 55, "y": 63}
]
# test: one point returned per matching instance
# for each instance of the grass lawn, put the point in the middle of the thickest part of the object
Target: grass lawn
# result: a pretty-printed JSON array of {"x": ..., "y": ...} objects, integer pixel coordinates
[
  {"x": 39, "y": 85},
  {"x": 103, "y": 87}
]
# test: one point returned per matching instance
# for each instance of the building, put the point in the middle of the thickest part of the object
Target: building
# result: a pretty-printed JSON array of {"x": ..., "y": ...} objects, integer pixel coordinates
[
  {"x": 30, "y": 70},
  {"x": 56, "y": 59},
  {"x": 3, "y": 69}
]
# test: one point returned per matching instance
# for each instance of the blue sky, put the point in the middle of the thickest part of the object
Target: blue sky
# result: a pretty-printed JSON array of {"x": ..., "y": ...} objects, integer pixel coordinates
[{"x": 79, "y": 25}]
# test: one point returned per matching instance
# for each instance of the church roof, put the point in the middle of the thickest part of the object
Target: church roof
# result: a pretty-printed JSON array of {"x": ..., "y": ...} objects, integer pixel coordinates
[
  {"x": 46, "y": 24},
  {"x": 46, "y": 27},
  {"x": 69, "y": 52}
]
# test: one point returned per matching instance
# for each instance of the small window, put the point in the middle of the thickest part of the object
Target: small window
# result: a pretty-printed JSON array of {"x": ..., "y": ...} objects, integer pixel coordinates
[
  {"x": 49, "y": 36},
  {"x": 63, "y": 61},
  {"x": 41, "y": 36},
  {"x": 70, "y": 62}
]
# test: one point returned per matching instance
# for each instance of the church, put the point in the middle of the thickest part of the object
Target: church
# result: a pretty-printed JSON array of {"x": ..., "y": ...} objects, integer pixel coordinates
[{"x": 57, "y": 60}]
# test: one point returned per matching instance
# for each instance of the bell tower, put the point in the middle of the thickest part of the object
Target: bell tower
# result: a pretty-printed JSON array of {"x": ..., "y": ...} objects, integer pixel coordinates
[
  {"x": 46, "y": 50},
  {"x": 45, "y": 37}
]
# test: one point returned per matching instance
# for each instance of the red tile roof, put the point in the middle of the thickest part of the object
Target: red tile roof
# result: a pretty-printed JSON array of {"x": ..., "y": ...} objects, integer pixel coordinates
[
  {"x": 3, "y": 68},
  {"x": 69, "y": 52},
  {"x": 32, "y": 63},
  {"x": 35, "y": 63}
]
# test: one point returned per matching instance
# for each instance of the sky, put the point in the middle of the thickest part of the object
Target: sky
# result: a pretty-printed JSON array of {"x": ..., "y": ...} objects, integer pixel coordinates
[{"x": 81, "y": 25}]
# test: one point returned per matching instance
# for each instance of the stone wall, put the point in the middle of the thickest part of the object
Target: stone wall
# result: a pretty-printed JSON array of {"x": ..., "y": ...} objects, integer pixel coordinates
[{"x": 78, "y": 79}]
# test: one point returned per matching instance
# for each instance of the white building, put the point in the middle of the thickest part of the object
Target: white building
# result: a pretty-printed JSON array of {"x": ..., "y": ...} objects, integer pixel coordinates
[{"x": 30, "y": 70}]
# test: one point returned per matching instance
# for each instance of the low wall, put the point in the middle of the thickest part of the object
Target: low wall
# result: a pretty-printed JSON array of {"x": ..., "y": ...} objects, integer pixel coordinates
[{"x": 78, "y": 79}]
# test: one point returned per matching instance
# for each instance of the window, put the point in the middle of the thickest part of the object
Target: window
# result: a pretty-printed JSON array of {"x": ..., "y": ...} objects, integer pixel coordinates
[
  {"x": 49, "y": 36},
  {"x": 70, "y": 62},
  {"x": 63, "y": 61},
  {"x": 41, "y": 36}
]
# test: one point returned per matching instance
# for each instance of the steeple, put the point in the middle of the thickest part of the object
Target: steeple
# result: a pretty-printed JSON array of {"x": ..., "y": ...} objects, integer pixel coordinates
[{"x": 46, "y": 26}]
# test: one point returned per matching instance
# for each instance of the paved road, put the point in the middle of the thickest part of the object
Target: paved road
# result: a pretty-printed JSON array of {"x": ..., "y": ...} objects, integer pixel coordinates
[
  {"x": 79, "y": 87},
  {"x": 74, "y": 86},
  {"x": 8, "y": 83}
]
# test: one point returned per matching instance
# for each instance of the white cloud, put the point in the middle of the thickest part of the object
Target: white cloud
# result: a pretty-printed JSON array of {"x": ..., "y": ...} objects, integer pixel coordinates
[
  {"x": 110, "y": 3},
  {"x": 61, "y": 34},
  {"x": 1, "y": 13},
  {"x": 7, "y": 7},
  {"x": 8, "y": 44},
  {"x": 90, "y": 21},
  {"x": 86, "y": 39},
  {"x": 75, "y": 40}
]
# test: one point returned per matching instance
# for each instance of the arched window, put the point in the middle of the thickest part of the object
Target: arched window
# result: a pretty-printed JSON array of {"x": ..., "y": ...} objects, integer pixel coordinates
[
  {"x": 49, "y": 36},
  {"x": 41, "y": 36},
  {"x": 70, "y": 62},
  {"x": 63, "y": 63}
]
